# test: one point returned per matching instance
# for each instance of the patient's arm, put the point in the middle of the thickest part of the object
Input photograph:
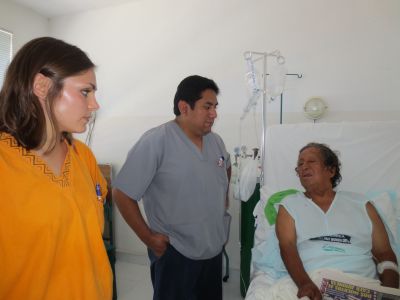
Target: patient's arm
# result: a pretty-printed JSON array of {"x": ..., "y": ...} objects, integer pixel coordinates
[
  {"x": 286, "y": 233},
  {"x": 381, "y": 248}
]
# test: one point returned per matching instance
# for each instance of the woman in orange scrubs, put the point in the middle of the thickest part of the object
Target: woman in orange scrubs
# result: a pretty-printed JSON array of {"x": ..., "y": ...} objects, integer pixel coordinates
[{"x": 51, "y": 218}]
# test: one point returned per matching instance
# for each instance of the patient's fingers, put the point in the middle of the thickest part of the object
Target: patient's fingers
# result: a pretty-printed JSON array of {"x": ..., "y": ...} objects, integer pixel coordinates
[{"x": 309, "y": 291}]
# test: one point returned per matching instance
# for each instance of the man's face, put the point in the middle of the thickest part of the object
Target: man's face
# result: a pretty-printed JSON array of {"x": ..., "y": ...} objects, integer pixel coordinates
[
  {"x": 311, "y": 169},
  {"x": 201, "y": 117}
]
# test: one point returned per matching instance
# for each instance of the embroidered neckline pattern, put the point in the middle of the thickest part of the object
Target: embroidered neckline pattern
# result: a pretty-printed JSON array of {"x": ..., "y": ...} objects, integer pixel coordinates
[{"x": 35, "y": 161}]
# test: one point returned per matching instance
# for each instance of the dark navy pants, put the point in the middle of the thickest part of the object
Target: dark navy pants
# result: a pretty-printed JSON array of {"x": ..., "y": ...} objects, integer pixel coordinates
[{"x": 176, "y": 277}]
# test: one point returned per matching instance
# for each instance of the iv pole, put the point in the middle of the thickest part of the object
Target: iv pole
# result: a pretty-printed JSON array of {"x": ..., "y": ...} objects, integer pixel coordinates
[
  {"x": 281, "y": 103},
  {"x": 263, "y": 56}
]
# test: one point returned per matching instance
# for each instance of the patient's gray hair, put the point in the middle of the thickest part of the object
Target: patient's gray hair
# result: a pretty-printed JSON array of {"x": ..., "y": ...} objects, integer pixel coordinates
[{"x": 330, "y": 159}]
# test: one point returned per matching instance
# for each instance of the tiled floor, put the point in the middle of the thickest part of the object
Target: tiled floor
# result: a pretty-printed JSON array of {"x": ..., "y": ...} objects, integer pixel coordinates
[{"x": 133, "y": 281}]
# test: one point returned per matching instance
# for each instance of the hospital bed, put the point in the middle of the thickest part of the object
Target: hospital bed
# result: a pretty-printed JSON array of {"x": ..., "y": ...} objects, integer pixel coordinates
[{"x": 370, "y": 157}]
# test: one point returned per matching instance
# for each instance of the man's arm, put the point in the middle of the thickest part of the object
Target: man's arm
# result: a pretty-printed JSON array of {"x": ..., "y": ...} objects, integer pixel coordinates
[
  {"x": 381, "y": 248},
  {"x": 286, "y": 233},
  {"x": 130, "y": 211}
]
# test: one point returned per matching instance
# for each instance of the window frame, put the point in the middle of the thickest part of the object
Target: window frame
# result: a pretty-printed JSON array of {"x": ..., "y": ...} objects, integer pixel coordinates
[{"x": 5, "y": 54}]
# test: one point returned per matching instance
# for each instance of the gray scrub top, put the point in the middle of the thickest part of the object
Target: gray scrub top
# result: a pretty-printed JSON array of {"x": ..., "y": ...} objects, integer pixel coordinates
[{"x": 183, "y": 189}]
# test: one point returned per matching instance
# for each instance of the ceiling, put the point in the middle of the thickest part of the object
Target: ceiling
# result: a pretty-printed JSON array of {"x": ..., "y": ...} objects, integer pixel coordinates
[{"x": 56, "y": 8}]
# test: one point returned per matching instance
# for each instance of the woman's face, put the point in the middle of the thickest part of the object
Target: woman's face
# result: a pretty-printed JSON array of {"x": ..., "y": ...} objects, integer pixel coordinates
[
  {"x": 76, "y": 103},
  {"x": 312, "y": 170}
]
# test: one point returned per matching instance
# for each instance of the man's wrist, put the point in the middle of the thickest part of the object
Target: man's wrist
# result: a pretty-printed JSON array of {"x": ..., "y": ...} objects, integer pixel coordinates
[{"x": 387, "y": 265}]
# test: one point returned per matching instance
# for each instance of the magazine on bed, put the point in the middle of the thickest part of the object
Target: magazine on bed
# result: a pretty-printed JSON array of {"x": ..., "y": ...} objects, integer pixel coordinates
[{"x": 337, "y": 290}]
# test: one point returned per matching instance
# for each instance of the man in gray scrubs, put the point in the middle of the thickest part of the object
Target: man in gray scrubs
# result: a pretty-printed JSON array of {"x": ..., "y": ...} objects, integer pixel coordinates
[{"x": 181, "y": 171}]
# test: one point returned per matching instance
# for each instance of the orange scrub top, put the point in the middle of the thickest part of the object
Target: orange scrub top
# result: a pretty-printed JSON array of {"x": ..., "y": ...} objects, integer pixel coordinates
[{"x": 51, "y": 226}]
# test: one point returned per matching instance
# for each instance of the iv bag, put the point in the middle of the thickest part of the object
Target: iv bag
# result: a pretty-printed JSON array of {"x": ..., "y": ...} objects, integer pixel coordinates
[
  {"x": 253, "y": 91},
  {"x": 252, "y": 83},
  {"x": 276, "y": 80}
]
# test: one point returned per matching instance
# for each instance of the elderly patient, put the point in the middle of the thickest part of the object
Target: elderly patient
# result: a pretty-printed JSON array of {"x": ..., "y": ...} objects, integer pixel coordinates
[{"x": 324, "y": 228}]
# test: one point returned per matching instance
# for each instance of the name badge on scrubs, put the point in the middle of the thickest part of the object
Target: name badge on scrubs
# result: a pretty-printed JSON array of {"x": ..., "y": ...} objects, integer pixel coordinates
[
  {"x": 221, "y": 162},
  {"x": 98, "y": 193}
]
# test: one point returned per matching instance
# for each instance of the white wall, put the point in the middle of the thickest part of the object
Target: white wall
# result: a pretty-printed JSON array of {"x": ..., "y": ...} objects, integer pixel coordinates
[
  {"x": 347, "y": 51},
  {"x": 22, "y": 22}
]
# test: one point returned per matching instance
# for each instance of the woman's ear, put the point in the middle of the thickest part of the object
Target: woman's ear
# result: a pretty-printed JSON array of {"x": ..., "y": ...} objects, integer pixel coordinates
[{"x": 41, "y": 86}]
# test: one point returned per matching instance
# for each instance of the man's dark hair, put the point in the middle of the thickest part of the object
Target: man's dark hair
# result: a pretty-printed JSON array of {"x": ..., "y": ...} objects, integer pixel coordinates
[
  {"x": 330, "y": 160},
  {"x": 190, "y": 90}
]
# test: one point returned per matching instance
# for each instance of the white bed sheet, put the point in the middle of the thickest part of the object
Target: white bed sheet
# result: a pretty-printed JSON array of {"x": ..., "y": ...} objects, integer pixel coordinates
[{"x": 285, "y": 289}]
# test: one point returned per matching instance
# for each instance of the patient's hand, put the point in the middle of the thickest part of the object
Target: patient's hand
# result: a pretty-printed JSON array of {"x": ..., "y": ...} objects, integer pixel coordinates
[
  {"x": 309, "y": 290},
  {"x": 390, "y": 278}
]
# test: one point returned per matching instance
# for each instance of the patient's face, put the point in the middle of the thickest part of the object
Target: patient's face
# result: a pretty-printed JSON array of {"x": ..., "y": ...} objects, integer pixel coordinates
[{"x": 312, "y": 171}]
